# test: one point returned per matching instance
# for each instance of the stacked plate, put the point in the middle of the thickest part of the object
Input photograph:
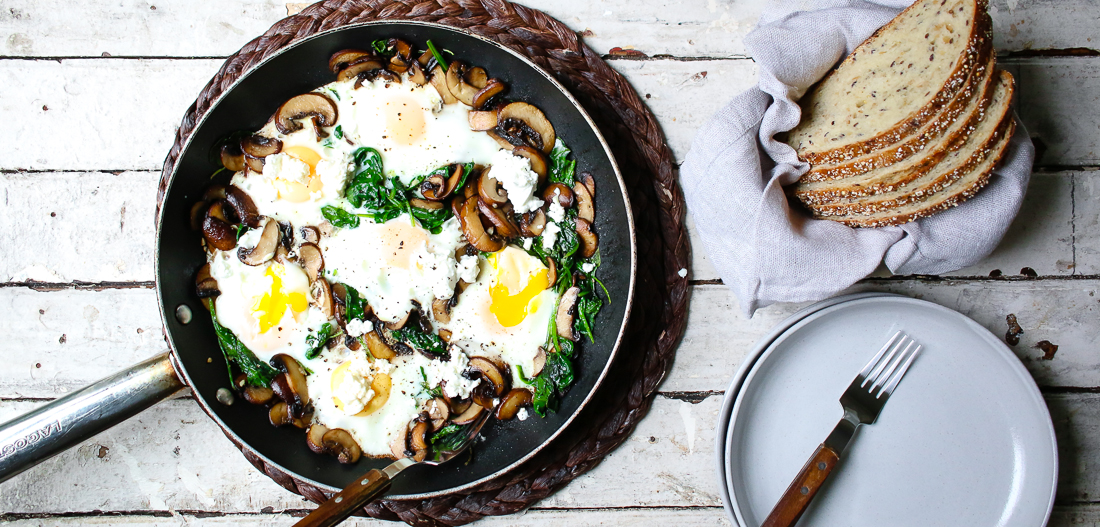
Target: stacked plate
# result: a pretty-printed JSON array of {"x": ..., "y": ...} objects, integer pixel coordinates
[{"x": 966, "y": 438}]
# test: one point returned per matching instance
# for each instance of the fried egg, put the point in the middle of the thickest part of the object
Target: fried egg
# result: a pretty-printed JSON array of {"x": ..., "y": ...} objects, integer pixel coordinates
[
  {"x": 506, "y": 313},
  {"x": 266, "y": 306},
  {"x": 410, "y": 126},
  {"x": 302, "y": 178},
  {"x": 394, "y": 263}
]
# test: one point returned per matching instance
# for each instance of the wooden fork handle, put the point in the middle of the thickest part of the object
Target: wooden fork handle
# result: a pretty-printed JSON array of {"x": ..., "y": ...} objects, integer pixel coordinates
[
  {"x": 347, "y": 501},
  {"x": 797, "y": 497}
]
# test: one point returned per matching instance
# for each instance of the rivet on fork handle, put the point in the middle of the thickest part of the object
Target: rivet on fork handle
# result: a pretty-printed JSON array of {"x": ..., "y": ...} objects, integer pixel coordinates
[{"x": 797, "y": 496}]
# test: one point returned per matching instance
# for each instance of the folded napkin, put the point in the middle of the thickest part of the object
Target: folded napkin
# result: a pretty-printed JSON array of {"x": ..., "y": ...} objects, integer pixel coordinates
[{"x": 767, "y": 252}]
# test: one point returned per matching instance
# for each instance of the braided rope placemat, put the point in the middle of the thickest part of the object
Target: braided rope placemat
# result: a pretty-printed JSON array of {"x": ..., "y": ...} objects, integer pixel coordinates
[{"x": 659, "y": 313}]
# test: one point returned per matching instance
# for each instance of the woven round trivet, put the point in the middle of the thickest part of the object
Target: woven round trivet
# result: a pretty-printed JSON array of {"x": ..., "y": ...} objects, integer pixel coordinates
[{"x": 659, "y": 313}]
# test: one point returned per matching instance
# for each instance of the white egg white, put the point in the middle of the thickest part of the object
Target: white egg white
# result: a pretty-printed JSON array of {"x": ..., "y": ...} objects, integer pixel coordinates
[{"x": 394, "y": 263}]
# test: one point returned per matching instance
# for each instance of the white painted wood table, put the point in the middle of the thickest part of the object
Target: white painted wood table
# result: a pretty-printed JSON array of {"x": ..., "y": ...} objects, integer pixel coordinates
[{"x": 90, "y": 94}]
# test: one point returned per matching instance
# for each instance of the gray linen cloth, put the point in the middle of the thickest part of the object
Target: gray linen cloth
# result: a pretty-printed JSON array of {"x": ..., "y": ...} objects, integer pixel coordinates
[{"x": 767, "y": 252}]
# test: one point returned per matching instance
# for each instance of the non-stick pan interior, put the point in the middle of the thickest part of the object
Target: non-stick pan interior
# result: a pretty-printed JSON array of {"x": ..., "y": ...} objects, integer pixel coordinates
[{"x": 247, "y": 106}]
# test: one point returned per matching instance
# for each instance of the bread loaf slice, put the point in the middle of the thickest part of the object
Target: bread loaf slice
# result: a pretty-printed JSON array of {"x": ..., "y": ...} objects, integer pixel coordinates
[
  {"x": 959, "y": 191},
  {"x": 977, "y": 85},
  {"x": 894, "y": 83},
  {"x": 978, "y": 124},
  {"x": 955, "y": 166}
]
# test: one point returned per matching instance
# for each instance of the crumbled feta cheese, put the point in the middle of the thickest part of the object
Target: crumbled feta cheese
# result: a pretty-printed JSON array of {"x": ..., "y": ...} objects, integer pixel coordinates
[
  {"x": 556, "y": 212},
  {"x": 588, "y": 267},
  {"x": 682, "y": 273},
  {"x": 449, "y": 374},
  {"x": 550, "y": 234},
  {"x": 515, "y": 175},
  {"x": 468, "y": 269},
  {"x": 354, "y": 391},
  {"x": 358, "y": 328},
  {"x": 287, "y": 168},
  {"x": 527, "y": 243},
  {"x": 522, "y": 414}
]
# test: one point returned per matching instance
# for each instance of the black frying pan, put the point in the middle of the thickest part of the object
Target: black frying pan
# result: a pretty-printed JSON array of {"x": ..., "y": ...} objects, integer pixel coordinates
[{"x": 194, "y": 357}]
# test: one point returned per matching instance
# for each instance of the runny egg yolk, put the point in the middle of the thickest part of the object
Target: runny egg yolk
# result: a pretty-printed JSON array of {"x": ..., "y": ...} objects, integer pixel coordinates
[
  {"x": 514, "y": 286},
  {"x": 270, "y": 308},
  {"x": 294, "y": 191},
  {"x": 404, "y": 120}
]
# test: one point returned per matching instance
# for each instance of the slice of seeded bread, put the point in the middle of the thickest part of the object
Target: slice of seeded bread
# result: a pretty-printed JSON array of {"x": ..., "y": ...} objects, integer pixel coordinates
[
  {"x": 893, "y": 83},
  {"x": 951, "y": 196},
  {"x": 957, "y": 165},
  {"x": 933, "y": 132},
  {"x": 972, "y": 129}
]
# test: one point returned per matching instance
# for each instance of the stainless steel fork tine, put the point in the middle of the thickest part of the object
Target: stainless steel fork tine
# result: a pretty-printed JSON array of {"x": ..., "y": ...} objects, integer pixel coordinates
[
  {"x": 882, "y": 378},
  {"x": 889, "y": 388},
  {"x": 867, "y": 369},
  {"x": 882, "y": 363}
]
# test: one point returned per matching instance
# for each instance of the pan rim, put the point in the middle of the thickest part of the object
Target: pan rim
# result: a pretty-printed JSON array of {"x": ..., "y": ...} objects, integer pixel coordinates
[{"x": 628, "y": 210}]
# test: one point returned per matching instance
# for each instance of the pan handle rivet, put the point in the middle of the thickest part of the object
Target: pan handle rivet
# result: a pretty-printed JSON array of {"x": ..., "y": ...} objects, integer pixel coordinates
[
  {"x": 339, "y": 499},
  {"x": 183, "y": 314}
]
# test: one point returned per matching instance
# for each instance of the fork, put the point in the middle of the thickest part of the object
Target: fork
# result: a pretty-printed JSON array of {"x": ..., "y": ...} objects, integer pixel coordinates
[
  {"x": 862, "y": 402},
  {"x": 375, "y": 483}
]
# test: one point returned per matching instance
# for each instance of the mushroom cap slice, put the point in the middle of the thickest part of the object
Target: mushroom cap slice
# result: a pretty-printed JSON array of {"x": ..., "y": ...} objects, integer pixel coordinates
[
  {"x": 457, "y": 84},
  {"x": 500, "y": 219},
  {"x": 552, "y": 275},
  {"x": 441, "y": 310},
  {"x": 378, "y": 347},
  {"x": 486, "y": 94},
  {"x": 341, "y": 59},
  {"x": 511, "y": 403},
  {"x": 589, "y": 240},
  {"x": 279, "y": 414},
  {"x": 416, "y": 74},
  {"x": 219, "y": 234},
  {"x": 586, "y": 206},
  {"x": 532, "y": 223},
  {"x": 243, "y": 206},
  {"x": 539, "y": 362},
  {"x": 315, "y": 435},
  {"x": 481, "y": 121},
  {"x": 418, "y": 440},
  {"x": 566, "y": 308},
  {"x": 402, "y": 58},
  {"x": 310, "y": 235},
  {"x": 339, "y": 443},
  {"x": 564, "y": 194},
  {"x": 264, "y": 249},
  {"x": 258, "y": 146},
  {"x": 522, "y": 123},
  {"x": 476, "y": 77},
  {"x": 474, "y": 230},
  {"x": 359, "y": 67},
  {"x": 291, "y": 385},
  {"x": 303, "y": 106},
  {"x": 539, "y": 163},
  {"x": 439, "y": 81},
  {"x": 438, "y": 412},
  {"x": 232, "y": 157},
  {"x": 321, "y": 296},
  {"x": 490, "y": 189},
  {"x": 257, "y": 394},
  {"x": 254, "y": 164},
  {"x": 439, "y": 188},
  {"x": 589, "y": 182},
  {"x": 491, "y": 373},
  {"x": 469, "y": 415},
  {"x": 311, "y": 260}
]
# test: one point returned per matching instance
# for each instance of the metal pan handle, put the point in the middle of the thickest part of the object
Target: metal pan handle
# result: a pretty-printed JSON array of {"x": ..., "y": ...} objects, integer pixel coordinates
[{"x": 40, "y": 434}]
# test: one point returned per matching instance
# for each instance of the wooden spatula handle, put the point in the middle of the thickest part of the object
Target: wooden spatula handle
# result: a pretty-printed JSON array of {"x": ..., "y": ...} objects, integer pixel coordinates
[{"x": 802, "y": 489}]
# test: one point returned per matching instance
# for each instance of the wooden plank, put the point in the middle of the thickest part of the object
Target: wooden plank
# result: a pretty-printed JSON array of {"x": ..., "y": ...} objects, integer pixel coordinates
[
  {"x": 1086, "y": 206},
  {"x": 687, "y": 517},
  {"x": 1062, "y": 312},
  {"x": 61, "y": 340},
  {"x": 689, "y": 28},
  {"x": 172, "y": 457},
  {"x": 109, "y": 104},
  {"x": 98, "y": 227},
  {"x": 78, "y": 226}
]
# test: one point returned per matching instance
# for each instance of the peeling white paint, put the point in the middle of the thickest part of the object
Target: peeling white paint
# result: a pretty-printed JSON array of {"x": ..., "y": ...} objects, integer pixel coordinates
[
  {"x": 191, "y": 481},
  {"x": 689, "y": 424},
  {"x": 151, "y": 489}
]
